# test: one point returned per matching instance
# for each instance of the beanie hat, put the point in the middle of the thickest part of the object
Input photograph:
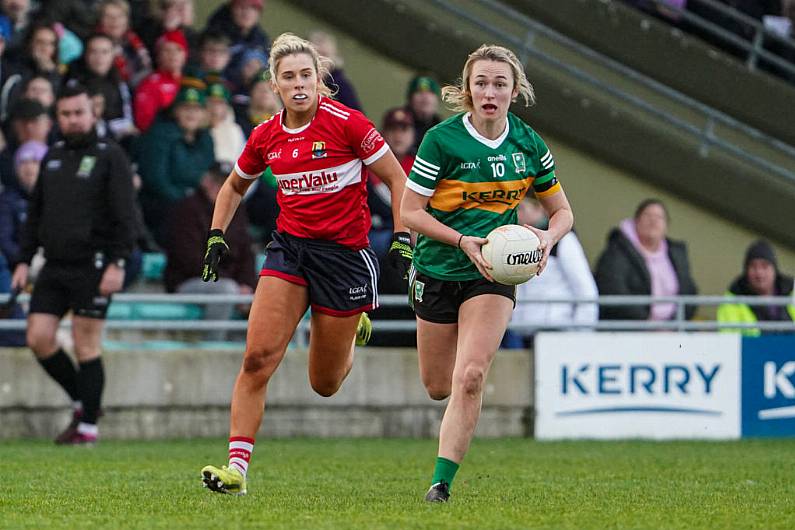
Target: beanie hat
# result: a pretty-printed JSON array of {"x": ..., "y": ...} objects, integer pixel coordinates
[
  {"x": 176, "y": 36},
  {"x": 760, "y": 249},
  {"x": 423, "y": 83},
  {"x": 28, "y": 151}
]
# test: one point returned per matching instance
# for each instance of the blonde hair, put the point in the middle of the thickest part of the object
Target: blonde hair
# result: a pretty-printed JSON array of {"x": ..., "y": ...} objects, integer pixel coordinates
[
  {"x": 290, "y": 44},
  {"x": 459, "y": 97}
]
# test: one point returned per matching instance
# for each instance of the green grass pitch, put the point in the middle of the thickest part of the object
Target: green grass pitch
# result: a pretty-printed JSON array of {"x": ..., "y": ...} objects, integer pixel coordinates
[{"x": 371, "y": 484}]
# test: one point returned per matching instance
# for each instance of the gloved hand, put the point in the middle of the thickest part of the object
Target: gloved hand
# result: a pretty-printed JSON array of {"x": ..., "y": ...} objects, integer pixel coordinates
[
  {"x": 401, "y": 253},
  {"x": 216, "y": 249}
]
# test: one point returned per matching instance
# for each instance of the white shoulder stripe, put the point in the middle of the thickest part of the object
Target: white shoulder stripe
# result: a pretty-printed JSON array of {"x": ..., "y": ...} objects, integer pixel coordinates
[
  {"x": 419, "y": 165},
  {"x": 375, "y": 156},
  {"x": 419, "y": 171},
  {"x": 422, "y": 190},
  {"x": 548, "y": 164},
  {"x": 426, "y": 163},
  {"x": 332, "y": 107},
  {"x": 548, "y": 155},
  {"x": 335, "y": 112},
  {"x": 243, "y": 173}
]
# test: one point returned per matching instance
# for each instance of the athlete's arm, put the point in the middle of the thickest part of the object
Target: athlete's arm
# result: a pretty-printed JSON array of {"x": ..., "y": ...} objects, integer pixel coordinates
[
  {"x": 228, "y": 200},
  {"x": 561, "y": 219},
  {"x": 414, "y": 215},
  {"x": 388, "y": 169}
]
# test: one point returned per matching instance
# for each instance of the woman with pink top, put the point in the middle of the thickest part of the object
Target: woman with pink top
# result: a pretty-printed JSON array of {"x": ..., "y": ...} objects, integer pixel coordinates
[{"x": 641, "y": 260}]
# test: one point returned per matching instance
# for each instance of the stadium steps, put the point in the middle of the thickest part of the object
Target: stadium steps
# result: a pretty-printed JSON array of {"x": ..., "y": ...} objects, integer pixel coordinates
[
  {"x": 681, "y": 159},
  {"x": 677, "y": 59}
]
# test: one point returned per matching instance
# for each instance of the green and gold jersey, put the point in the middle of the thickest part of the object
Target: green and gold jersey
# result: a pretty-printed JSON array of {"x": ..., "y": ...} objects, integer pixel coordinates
[{"x": 475, "y": 185}]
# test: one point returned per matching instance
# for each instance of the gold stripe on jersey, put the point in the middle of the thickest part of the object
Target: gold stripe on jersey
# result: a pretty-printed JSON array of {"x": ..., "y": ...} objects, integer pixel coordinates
[
  {"x": 495, "y": 196},
  {"x": 551, "y": 191}
]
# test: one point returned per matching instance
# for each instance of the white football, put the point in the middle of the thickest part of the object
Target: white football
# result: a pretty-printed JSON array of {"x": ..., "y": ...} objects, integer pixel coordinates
[{"x": 512, "y": 251}]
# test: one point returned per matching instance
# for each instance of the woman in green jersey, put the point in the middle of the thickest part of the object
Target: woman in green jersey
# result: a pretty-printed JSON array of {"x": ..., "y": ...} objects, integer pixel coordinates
[{"x": 470, "y": 174}]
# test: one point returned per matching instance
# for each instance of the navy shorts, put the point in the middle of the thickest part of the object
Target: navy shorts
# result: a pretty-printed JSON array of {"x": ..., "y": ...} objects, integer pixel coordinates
[
  {"x": 438, "y": 301},
  {"x": 341, "y": 281},
  {"x": 64, "y": 286}
]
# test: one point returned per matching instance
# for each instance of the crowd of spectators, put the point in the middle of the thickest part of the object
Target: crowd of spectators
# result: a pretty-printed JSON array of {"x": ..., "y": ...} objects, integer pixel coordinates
[{"x": 182, "y": 102}]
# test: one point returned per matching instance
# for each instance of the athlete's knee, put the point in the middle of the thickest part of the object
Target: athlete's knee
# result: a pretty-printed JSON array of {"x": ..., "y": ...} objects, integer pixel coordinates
[
  {"x": 325, "y": 386},
  {"x": 260, "y": 361},
  {"x": 471, "y": 381},
  {"x": 438, "y": 394},
  {"x": 437, "y": 390}
]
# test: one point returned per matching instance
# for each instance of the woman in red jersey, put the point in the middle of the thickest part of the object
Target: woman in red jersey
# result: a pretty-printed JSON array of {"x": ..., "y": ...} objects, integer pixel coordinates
[{"x": 317, "y": 150}]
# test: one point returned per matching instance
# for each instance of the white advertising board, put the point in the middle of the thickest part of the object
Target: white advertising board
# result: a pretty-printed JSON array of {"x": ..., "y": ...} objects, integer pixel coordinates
[{"x": 637, "y": 385}]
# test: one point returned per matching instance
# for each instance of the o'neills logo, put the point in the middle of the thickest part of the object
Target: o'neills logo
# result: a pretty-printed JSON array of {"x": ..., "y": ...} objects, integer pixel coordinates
[
  {"x": 308, "y": 181},
  {"x": 370, "y": 139},
  {"x": 524, "y": 258}
]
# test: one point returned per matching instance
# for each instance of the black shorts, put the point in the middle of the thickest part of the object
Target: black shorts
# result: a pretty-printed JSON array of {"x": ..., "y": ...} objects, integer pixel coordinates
[
  {"x": 438, "y": 301},
  {"x": 341, "y": 281},
  {"x": 64, "y": 286}
]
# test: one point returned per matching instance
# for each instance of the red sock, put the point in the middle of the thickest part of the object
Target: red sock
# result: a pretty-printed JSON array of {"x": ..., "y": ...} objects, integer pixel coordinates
[{"x": 240, "y": 449}]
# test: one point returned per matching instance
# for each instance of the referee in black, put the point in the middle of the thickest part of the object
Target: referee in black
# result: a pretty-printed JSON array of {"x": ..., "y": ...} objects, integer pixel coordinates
[{"x": 81, "y": 213}]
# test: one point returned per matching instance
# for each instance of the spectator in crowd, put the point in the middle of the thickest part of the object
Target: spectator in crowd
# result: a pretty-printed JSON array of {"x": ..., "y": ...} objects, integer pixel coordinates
[
  {"x": 19, "y": 14},
  {"x": 81, "y": 213},
  {"x": 567, "y": 275},
  {"x": 398, "y": 131},
  {"x": 214, "y": 54},
  {"x": 97, "y": 71},
  {"x": 40, "y": 88},
  {"x": 13, "y": 211},
  {"x": 239, "y": 20},
  {"x": 6, "y": 68},
  {"x": 760, "y": 277},
  {"x": 29, "y": 121},
  {"x": 228, "y": 138},
  {"x": 76, "y": 15},
  {"x": 253, "y": 62},
  {"x": 40, "y": 58},
  {"x": 261, "y": 105},
  {"x": 130, "y": 54},
  {"x": 187, "y": 230},
  {"x": 641, "y": 260},
  {"x": 158, "y": 90},
  {"x": 172, "y": 156},
  {"x": 166, "y": 16},
  {"x": 337, "y": 81},
  {"x": 423, "y": 103}
]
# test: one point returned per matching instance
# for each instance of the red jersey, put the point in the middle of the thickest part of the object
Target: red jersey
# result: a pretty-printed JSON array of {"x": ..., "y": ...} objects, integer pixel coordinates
[{"x": 319, "y": 170}]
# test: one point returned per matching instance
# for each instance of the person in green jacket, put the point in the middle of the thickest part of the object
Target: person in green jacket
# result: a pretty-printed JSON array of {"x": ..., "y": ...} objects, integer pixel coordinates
[
  {"x": 172, "y": 157},
  {"x": 760, "y": 277}
]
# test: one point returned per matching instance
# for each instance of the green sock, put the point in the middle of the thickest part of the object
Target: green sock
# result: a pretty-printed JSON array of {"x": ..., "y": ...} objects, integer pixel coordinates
[{"x": 444, "y": 471}]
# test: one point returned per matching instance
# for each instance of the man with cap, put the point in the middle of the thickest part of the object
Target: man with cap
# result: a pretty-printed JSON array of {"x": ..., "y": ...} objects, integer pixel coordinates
[
  {"x": 760, "y": 277},
  {"x": 423, "y": 98},
  {"x": 187, "y": 230},
  {"x": 158, "y": 89},
  {"x": 173, "y": 155},
  {"x": 29, "y": 121}
]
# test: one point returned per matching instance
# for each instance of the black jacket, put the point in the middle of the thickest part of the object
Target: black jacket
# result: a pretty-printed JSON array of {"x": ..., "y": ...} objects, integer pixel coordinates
[
  {"x": 82, "y": 204},
  {"x": 622, "y": 270}
]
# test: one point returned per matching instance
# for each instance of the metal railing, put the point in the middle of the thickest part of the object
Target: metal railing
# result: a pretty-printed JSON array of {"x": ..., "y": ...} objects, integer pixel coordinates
[
  {"x": 527, "y": 46},
  {"x": 754, "y": 47},
  {"x": 678, "y": 323}
]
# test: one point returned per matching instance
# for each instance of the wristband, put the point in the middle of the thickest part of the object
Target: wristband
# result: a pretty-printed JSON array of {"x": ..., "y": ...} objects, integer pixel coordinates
[{"x": 459, "y": 241}]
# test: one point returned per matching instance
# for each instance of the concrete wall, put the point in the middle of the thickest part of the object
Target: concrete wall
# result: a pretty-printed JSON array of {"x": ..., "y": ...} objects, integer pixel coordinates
[{"x": 186, "y": 393}]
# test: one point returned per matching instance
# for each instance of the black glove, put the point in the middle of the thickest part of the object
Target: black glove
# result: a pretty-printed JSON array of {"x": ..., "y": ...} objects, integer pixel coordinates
[
  {"x": 401, "y": 253},
  {"x": 216, "y": 249}
]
